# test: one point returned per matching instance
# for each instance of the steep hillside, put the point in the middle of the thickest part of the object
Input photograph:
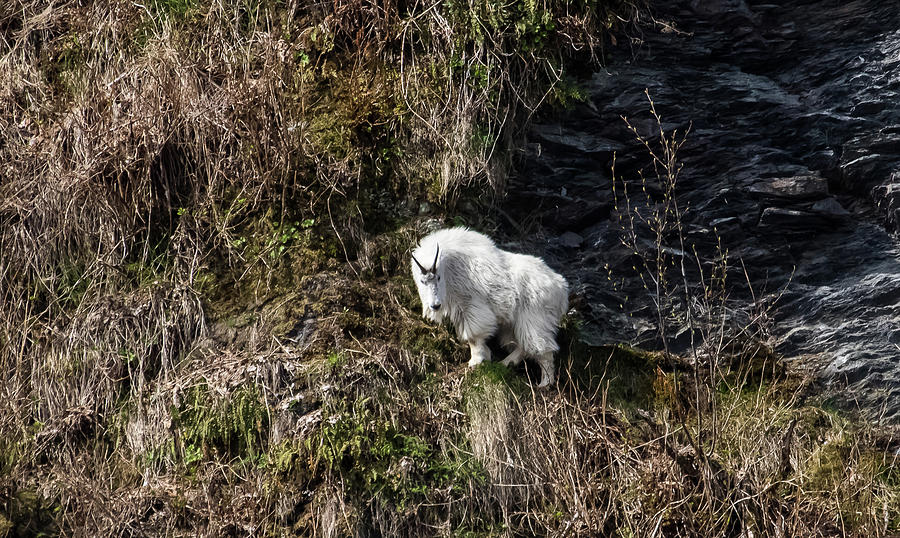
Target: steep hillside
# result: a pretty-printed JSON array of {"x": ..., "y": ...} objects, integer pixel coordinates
[{"x": 207, "y": 327}]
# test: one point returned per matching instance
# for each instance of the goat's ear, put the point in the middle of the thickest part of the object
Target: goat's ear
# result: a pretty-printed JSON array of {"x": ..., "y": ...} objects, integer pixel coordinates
[
  {"x": 436, "y": 253},
  {"x": 421, "y": 268}
]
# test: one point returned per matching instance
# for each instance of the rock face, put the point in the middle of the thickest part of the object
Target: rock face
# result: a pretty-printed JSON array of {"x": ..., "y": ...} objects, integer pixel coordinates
[{"x": 792, "y": 160}]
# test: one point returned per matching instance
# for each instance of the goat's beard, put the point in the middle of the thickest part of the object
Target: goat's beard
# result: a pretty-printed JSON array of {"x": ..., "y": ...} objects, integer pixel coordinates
[{"x": 430, "y": 314}]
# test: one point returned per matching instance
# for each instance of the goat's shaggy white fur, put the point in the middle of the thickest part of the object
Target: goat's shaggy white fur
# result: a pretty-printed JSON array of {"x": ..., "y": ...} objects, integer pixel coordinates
[{"x": 483, "y": 290}]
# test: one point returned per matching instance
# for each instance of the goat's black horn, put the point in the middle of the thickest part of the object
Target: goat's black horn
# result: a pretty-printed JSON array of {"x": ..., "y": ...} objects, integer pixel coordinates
[
  {"x": 421, "y": 268},
  {"x": 436, "y": 252}
]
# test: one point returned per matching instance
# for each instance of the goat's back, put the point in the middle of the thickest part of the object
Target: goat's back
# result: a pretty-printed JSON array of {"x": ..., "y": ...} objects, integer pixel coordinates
[{"x": 538, "y": 286}]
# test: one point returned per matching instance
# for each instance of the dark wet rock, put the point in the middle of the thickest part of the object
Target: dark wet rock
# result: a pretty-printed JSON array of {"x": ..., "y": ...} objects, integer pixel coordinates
[
  {"x": 869, "y": 160},
  {"x": 887, "y": 198},
  {"x": 788, "y": 219},
  {"x": 825, "y": 162},
  {"x": 570, "y": 240},
  {"x": 300, "y": 335},
  {"x": 730, "y": 230},
  {"x": 831, "y": 208},
  {"x": 868, "y": 108},
  {"x": 577, "y": 214},
  {"x": 792, "y": 162},
  {"x": 727, "y": 222},
  {"x": 863, "y": 171},
  {"x": 569, "y": 207},
  {"x": 802, "y": 187},
  {"x": 736, "y": 9},
  {"x": 574, "y": 140}
]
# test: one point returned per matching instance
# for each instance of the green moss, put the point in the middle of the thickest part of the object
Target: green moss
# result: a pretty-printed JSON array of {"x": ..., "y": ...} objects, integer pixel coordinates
[
  {"x": 13, "y": 448},
  {"x": 6, "y": 526},
  {"x": 529, "y": 23},
  {"x": 489, "y": 391},
  {"x": 291, "y": 459},
  {"x": 754, "y": 368},
  {"x": 171, "y": 8},
  {"x": 233, "y": 428},
  {"x": 433, "y": 342},
  {"x": 489, "y": 530},
  {"x": 28, "y": 513},
  {"x": 63, "y": 65},
  {"x": 73, "y": 284},
  {"x": 336, "y": 359},
  {"x": 629, "y": 375},
  {"x": 390, "y": 254},
  {"x": 379, "y": 459},
  {"x": 330, "y": 132},
  {"x": 492, "y": 374},
  {"x": 567, "y": 93}
]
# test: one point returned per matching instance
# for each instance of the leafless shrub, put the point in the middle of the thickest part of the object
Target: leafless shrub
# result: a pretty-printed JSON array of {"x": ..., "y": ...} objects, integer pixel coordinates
[{"x": 736, "y": 449}]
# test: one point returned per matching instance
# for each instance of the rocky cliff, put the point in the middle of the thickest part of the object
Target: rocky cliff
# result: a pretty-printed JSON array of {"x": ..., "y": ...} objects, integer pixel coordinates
[{"x": 792, "y": 159}]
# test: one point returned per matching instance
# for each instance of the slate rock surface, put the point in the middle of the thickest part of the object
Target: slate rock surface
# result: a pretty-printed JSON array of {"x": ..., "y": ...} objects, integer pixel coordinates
[{"x": 791, "y": 163}]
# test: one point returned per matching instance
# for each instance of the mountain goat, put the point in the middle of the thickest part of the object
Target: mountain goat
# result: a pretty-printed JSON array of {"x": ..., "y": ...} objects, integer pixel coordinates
[{"x": 483, "y": 290}]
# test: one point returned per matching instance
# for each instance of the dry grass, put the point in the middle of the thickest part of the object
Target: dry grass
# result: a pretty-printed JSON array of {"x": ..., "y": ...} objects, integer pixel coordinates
[{"x": 120, "y": 150}]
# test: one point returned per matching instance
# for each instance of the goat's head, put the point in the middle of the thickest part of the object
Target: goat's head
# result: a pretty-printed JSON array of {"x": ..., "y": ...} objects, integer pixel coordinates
[{"x": 430, "y": 284}]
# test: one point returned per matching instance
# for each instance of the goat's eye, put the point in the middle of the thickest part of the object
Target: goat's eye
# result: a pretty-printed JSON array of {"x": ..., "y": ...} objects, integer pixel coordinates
[{"x": 439, "y": 278}]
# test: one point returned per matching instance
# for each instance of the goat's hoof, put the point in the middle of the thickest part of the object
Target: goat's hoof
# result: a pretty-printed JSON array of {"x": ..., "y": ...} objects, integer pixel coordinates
[{"x": 473, "y": 362}]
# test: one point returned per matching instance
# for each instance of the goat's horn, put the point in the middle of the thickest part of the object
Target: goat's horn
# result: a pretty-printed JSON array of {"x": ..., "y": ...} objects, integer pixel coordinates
[
  {"x": 420, "y": 265},
  {"x": 436, "y": 252}
]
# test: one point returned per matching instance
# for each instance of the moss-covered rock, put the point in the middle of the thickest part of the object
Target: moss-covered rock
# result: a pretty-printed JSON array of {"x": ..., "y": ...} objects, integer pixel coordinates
[
  {"x": 25, "y": 512},
  {"x": 229, "y": 428},
  {"x": 629, "y": 376}
]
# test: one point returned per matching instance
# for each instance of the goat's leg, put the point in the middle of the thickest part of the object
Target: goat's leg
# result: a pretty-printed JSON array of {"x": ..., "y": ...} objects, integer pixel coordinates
[
  {"x": 514, "y": 358},
  {"x": 480, "y": 352},
  {"x": 548, "y": 370}
]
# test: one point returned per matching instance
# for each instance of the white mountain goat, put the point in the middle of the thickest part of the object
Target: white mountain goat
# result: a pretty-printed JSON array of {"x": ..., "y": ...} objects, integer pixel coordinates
[{"x": 483, "y": 290}]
